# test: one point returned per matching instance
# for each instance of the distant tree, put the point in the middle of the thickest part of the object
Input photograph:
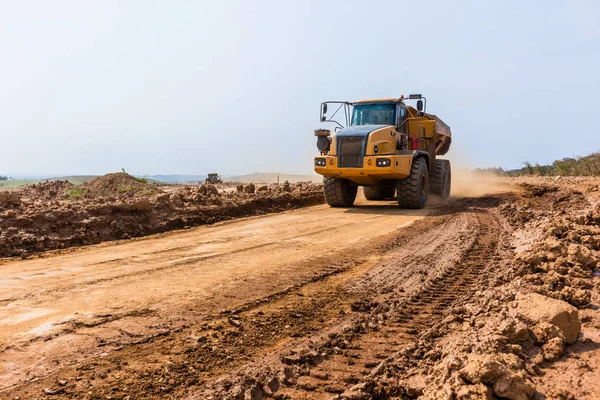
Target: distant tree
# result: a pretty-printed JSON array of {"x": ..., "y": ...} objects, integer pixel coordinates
[{"x": 3, "y": 178}]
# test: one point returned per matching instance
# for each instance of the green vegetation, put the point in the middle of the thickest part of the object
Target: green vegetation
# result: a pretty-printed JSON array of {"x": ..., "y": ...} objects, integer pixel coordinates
[
  {"x": 125, "y": 188},
  {"x": 76, "y": 180},
  {"x": 571, "y": 166},
  {"x": 76, "y": 192},
  {"x": 577, "y": 166},
  {"x": 16, "y": 183}
]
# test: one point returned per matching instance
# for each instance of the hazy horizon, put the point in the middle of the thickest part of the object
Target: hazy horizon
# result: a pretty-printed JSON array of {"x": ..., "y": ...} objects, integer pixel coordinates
[{"x": 234, "y": 87}]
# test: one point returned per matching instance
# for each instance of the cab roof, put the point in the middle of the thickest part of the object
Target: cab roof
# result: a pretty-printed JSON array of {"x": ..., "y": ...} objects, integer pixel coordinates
[{"x": 384, "y": 100}]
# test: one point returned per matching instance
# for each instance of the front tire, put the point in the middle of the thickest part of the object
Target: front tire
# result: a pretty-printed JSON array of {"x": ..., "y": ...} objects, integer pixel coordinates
[
  {"x": 339, "y": 192},
  {"x": 413, "y": 190}
]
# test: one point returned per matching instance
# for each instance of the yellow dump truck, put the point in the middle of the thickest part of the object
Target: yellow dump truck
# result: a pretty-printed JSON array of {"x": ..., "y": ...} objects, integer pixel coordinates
[{"x": 388, "y": 147}]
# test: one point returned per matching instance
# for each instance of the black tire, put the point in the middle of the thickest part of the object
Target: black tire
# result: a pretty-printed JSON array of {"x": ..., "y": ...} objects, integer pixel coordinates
[
  {"x": 413, "y": 190},
  {"x": 380, "y": 192},
  {"x": 339, "y": 192},
  {"x": 441, "y": 179}
]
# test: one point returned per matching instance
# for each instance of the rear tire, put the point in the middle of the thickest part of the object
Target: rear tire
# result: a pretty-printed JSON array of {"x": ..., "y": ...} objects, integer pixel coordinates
[
  {"x": 441, "y": 179},
  {"x": 339, "y": 192},
  {"x": 413, "y": 190},
  {"x": 380, "y": 192}
]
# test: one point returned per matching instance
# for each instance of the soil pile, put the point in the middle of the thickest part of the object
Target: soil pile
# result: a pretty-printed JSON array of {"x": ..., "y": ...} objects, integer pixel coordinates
[
  {"x": 57, "y": 214},
  {"x": 119, "y": 184},
  {"x": 48, "y": 190}
]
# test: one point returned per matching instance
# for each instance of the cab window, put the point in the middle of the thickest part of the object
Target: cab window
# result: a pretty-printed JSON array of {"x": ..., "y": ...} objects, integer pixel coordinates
[{"x": 374, "y": 114}]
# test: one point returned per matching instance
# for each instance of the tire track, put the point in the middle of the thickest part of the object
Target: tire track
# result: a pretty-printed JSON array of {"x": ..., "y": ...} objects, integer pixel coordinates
[{"x": 385, "y": 314}]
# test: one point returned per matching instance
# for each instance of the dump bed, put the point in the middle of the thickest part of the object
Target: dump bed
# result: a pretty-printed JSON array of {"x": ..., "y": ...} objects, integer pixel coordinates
[
  {"x": 441, "y": 127},
  {"x": 435, "y": 129}
]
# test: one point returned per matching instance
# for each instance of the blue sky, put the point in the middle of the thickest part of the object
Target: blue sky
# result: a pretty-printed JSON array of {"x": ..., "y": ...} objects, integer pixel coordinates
[{"x": 90, "y": 87}]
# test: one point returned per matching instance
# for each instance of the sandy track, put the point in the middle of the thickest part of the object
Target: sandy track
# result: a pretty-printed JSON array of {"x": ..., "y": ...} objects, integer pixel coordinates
[
  {"x": 383, "y": 309},
  {"x": 59, "y": 310}
]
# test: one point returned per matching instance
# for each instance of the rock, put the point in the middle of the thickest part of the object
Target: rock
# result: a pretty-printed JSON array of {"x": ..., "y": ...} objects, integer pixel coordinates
[
  {"x": 514, "y": 387},
  {"x": 545, "y": 331},
  {"x": 356, "y": 393},
  {"x": 555, "y": 246},
  {"x": 515, "y": 330},
  {"x": 538, "y": 308},
  {"x": 9, "y": 199},
  {"x": 309, "y": 387},
  {"x": 475, "y": 392},
  {"x": 262, "y": 188},
  {"x": 53, "y": 391},
  {"x": 139, "y": 205},
  {"x": 320, "y": 375},
  {"x": 582, "y": 255},
  {"x": 496, "y": 370},
  {"x": 530, "y": 258},
  {"x": 554, "y": 349},
  {"x": 482, "y": 369},
  {"x": 333, "y": 389},
  {"x": 250, "y": 188},
  {"x": 577, "y": 297},
  {"x": 286, "y": 187}
]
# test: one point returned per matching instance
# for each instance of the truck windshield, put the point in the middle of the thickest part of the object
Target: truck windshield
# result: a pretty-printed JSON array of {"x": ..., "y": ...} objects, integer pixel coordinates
[{"x": 374, "y": 114}]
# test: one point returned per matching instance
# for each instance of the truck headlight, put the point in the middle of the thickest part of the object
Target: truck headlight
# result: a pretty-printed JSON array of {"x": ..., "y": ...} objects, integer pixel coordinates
[
  {"x": 320, "y": 162},
  {"x": 383, "y": 162}
]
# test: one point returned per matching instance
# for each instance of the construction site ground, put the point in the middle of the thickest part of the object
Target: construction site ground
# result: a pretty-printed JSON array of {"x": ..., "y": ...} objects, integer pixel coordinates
[{"x": 305, "y": 301}]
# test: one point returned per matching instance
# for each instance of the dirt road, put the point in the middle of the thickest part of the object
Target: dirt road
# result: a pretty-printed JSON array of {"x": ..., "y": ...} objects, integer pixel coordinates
[
  {"x": 318, "y": 303},
  {"x": 63, "y": 306}
]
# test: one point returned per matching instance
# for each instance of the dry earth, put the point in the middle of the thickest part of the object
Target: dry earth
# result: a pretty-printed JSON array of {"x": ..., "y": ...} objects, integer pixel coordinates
[
  {"x": 58, "y": 215},
  {"x": 487, "y": 296}
]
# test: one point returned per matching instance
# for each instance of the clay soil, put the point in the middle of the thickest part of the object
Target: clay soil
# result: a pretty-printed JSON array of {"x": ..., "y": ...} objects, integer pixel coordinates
[
  {"x": 58, "y": 215},
  {"x": 370, "y": 302}
]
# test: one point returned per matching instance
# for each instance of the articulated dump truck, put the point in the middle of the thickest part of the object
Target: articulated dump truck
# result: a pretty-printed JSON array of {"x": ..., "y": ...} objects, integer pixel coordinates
[{"x": 388, "y": 147}]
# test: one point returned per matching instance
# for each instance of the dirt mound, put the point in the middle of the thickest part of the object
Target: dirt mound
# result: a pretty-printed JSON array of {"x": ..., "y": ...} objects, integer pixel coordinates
[
  {"x": 119, "y": 184},
  {"x": 9, "y": 199},
  {"x": 46, "y": 190}
]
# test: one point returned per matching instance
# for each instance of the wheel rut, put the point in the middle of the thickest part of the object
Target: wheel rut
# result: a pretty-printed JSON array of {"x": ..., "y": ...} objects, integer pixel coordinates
[
  {"x": 358, "y": 355},
  {"x": 385, "y": 309}
]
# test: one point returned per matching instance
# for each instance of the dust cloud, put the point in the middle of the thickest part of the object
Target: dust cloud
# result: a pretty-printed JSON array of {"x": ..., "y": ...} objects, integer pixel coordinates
[{"x": 468, "y": 183}]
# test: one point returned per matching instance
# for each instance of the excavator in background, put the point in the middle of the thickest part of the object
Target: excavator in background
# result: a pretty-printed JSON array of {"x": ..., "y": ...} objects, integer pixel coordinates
[{"x": 387, "y": 147}]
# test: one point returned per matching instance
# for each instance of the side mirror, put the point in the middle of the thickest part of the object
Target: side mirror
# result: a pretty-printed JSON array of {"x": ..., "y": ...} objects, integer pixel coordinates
[
  {"x": 324, "y": 108},
  {"x": 420, "y": 105}
]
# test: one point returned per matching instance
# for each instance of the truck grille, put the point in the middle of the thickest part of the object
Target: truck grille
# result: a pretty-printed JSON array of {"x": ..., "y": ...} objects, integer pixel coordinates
[{"x": 350, "y": 151}]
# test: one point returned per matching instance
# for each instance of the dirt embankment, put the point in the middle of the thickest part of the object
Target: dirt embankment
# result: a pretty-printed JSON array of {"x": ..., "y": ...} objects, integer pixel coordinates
[
  {"x": 520, "y": 336},
  {"x": 57, "y": 215}
]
